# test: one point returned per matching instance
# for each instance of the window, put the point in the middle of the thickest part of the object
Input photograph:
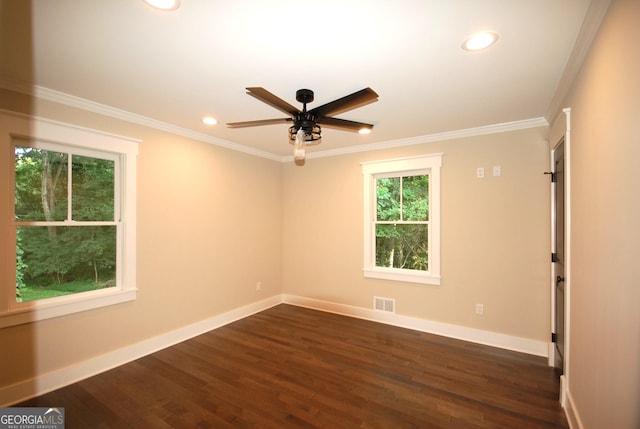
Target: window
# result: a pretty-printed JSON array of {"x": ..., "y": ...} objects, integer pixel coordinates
[
  {"x": 402, "y": 219},
  {"x": 73, "y": 204},
  {"x": 65, "y": 213}
]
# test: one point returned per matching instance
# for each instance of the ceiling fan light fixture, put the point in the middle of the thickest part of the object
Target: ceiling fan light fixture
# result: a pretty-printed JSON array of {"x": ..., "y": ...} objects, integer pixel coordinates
[
  {"x": 299, "y": 143},
  {"x": 312, "y": 136},
  {"x": 163, "y": 4},
  {"x": 364, "y": 131},
  {"x": 479, "y": 41},
  {"x": 306, "y": 130}
]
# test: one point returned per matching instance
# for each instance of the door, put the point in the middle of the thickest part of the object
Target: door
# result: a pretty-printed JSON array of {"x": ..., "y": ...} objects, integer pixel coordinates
[{"x": 559, "y": 254}]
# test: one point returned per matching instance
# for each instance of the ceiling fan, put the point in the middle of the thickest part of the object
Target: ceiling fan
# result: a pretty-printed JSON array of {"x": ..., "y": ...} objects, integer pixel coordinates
[{"x": 306, "y": 130}]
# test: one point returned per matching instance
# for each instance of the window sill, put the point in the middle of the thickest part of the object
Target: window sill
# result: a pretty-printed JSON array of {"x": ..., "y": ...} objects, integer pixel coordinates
[
  {"x": 410, "y": 276},
  {"x": 28, "y": 312}
]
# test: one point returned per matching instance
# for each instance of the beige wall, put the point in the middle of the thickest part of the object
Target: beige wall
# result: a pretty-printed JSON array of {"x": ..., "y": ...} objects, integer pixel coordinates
[
  {"x": 208, "y": 229},
  {"x": 495, "y": 234},
  {"x": 604, "y": 362}
]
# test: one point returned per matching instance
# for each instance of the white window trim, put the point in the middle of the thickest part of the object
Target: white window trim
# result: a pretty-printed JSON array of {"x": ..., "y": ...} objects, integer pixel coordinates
[
  {"x": 16, "y": 126},
  {"x": 424, "y": 164}
]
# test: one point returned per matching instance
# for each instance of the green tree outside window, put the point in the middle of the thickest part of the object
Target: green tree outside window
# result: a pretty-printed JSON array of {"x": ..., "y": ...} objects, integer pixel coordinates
[{"x": 402, "y": 222}]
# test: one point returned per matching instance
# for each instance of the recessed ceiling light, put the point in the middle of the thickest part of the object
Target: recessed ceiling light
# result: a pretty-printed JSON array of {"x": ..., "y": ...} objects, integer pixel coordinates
[
  {"x": 164, "y": 4},
  {"x": 479, "y": 41},
  {"x": 209, "y": 120}
]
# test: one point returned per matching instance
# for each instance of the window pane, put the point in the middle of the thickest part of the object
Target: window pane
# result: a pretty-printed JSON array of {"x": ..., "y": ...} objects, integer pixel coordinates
[
  {"x": 388, "y": 198},
  {"x": 92, "y": 188},
  {"x": 415, "y": 198},
  {"x": 402, "y": 246},
  {"x": 41, "y": 185},
  {"x": 56, "y": 260}
]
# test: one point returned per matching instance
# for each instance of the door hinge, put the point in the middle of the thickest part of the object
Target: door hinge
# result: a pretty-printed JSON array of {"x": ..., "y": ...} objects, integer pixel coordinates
[
  {"x": 554, "y": 176},
  {"x": 554, "y": 337},
  {"x": 554, "y": 257}
]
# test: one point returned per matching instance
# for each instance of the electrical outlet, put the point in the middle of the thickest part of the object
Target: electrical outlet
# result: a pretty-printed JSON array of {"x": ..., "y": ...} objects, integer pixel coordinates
[
  {"x": 480, "y": 173},
  {"x": 259, "y": 286},
  {"x": 497, "y": 170},
  {"x": 479, "y": 309}
]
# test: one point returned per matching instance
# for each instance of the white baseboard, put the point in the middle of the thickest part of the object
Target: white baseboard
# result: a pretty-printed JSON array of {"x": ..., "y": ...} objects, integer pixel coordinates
[
  {"x": 551, "y": 354},
  {"x": 45, "y": 383},
  {"x": 571, "y": 412},
  {"x": 48, "y": 382},
  {"x": 495, "y": 339}
]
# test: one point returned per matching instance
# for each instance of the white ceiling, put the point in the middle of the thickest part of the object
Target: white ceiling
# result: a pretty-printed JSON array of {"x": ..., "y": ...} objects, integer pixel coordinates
[{"x": 176, "y": 67}]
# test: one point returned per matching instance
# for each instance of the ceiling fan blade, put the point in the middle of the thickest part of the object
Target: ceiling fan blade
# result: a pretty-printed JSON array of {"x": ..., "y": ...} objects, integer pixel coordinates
[
  {"x": 348, "y": 102},
  {"x": 272, "y": 100},
  {"x": 258, "y": 122},
  {"x": 343, "y": 124}
]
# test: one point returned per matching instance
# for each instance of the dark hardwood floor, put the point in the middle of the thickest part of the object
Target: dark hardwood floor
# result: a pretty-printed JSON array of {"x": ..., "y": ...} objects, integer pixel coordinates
[{"x": 291, "y": 367}]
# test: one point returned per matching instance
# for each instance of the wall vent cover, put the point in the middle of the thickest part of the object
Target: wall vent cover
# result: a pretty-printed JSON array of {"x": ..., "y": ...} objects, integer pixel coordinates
[{"x": 384, "y": 304}]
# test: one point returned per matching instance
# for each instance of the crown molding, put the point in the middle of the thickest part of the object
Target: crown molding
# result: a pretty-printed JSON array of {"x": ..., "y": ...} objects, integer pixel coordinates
[
  {"x": 112, "y": 112},
  {"x": 428, "y": 138},
  {"x": 105, "y": 110},
  {"x": 590, "y": 26}
]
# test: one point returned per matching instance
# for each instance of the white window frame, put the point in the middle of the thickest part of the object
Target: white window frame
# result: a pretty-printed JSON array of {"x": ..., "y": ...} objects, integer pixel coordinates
[
  {"x": 411, "y": 166},
  {"x": 16, "y": 129}
]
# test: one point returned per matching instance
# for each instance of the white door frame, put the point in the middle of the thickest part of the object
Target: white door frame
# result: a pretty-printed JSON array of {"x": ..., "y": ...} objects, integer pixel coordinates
[{"x": 561, "y": 132}]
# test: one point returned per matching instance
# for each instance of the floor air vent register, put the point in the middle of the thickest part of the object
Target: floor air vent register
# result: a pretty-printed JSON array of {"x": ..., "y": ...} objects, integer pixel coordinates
[{"x": 384, "y": 304}]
